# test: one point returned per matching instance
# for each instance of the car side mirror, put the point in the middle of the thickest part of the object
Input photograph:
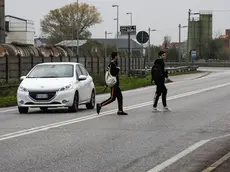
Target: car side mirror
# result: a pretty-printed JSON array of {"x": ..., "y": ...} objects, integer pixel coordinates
[
  {"x": 22, "y": 77},
  {"x": 82, "y": 78}
]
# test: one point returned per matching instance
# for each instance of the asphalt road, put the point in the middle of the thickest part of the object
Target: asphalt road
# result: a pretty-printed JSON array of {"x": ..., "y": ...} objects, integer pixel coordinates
[{"x": 189, "y": 139}]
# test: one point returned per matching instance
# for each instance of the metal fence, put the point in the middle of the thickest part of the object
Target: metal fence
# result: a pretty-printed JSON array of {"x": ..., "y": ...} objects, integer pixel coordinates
[{"x": 13, "y": 67}]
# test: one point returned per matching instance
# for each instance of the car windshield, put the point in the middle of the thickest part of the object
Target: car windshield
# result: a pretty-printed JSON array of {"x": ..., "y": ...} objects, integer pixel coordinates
[{"x": 52, "y": 71}]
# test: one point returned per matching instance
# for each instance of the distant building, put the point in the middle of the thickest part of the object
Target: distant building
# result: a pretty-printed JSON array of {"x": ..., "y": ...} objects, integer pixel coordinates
[
  {"x": 226, "y": 38},
  {"x": 19, "y": 30},
  {"x": 71, "y": 43},
  {"x": 121, "y": 44},
  {"x": 183, "y": 47}
]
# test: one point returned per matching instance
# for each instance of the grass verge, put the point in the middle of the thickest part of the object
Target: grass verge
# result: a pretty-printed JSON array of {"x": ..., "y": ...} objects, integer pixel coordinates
[{"x": 8, "y": 93}]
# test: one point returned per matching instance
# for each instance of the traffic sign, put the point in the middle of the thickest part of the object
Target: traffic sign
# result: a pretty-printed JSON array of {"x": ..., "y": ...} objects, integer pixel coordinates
[
  {"x": 128, "y": 29},
  {"x": 193, "y": 54},
  {"x": 142, "y": 37}
]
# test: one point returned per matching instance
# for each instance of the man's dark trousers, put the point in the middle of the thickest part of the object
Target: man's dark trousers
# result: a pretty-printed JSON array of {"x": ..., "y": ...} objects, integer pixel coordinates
[{"x": 161, "y": 90}]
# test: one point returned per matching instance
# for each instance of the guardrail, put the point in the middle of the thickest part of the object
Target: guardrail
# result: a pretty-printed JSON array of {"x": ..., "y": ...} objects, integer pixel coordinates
[{"x": 180, "y": 69}]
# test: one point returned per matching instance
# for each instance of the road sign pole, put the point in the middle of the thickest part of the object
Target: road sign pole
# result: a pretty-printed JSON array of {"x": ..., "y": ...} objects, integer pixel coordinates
[
  {"x": 129, "y": 53},
  {"x": 142, "y": 37},
  {"x": 179, "y": 45},
  {"x": 193, "y": 55}
]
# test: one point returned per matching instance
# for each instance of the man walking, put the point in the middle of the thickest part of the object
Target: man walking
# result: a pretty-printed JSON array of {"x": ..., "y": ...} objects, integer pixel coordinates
[
  {"x": 115, "y": 90},
  {"x": 158, "y": 75}
]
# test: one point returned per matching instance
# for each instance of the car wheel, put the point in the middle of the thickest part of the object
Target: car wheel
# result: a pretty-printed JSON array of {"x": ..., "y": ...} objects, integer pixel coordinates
[
  {"x": 91, "y": 104},
  {"x": 74, "y": 107},
  {"x": 23, "y": 110},
  {"x": 44, "y": 109}
]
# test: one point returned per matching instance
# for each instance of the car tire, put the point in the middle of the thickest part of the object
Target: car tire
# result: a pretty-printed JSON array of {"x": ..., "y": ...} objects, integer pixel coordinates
[
  {"x": 74, "y": 107},
  {"x": 44, "y": 109},
  {"x": 91, "y": 104},
  {"x": 23, "y": 110}
]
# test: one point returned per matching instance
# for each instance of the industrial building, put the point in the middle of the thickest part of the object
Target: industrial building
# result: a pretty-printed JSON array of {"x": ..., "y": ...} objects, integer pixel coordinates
[
  {"x": 200, "y": 33},
  {"x": 19, "y": 30},
  {"x": 15, "y": 29}
]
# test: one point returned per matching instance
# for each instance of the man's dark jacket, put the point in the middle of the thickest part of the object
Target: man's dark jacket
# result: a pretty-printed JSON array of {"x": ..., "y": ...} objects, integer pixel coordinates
[{"x": 160, "y": 65}]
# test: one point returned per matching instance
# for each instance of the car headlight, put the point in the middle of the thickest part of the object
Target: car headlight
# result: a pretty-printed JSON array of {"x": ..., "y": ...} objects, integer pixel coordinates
[
  {"x": 23, "y": 89},
  {"x": 67, "y": 87}
]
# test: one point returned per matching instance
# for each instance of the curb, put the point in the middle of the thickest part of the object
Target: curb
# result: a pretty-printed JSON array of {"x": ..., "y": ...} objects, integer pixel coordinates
[{"x": 208, "y": 73}]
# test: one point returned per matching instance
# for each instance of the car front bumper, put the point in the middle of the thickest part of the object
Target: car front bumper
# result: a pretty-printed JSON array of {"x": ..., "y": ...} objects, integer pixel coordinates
[{"x": 56, "y": 99}]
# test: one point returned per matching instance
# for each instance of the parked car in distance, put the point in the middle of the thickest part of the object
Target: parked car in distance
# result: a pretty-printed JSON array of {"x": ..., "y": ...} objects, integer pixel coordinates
[{"x": 56, "y": 84}]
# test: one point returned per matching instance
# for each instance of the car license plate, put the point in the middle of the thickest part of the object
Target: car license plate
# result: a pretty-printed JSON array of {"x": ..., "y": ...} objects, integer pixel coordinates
[{"x": 41, "y": 96}]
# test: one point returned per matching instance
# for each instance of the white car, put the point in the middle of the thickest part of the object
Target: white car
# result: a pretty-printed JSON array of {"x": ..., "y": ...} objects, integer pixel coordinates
[{"x": 61, "y": 84}]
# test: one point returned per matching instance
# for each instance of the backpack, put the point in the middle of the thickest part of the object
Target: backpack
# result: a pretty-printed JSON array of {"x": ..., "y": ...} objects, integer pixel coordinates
[
  {"x": 155, "y": 72},
  {"x": 109, "y": 79}
]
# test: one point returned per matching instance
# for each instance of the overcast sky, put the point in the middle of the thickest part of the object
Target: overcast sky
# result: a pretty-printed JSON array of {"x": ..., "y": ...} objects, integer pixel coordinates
[{"x": 162, "y": 15}]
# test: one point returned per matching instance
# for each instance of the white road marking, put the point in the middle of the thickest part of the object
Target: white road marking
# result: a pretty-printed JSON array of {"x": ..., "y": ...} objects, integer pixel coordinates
[
  {"x": 93, "y": 116},
  {"x": 8, "y": 110},
  {"x": 182, "y": 154},
  {"x": 178, "y": 156},
  {"x": 14, "y": 108},
  {"x": 220, "y": 137},
  {"x": 217, "y": 163}
]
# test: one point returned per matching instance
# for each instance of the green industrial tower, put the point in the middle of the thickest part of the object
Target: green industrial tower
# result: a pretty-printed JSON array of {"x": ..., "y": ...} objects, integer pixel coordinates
[{"x": 200, "y": 34}]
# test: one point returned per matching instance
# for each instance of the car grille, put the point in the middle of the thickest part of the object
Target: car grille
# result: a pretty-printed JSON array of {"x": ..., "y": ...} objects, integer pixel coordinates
[{"x": 42, "y": 95}]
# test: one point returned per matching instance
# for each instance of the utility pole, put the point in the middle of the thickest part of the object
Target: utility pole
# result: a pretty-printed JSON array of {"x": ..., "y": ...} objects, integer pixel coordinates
[
  {"x": 130, "y": 49},
  {"x": 149, "y": 49},
  {"x": 188, "y": 51},
  {"x": 117, "y": 6},
  {"x": 105, "y": 44},
  {"x": 179, "y": 57},
  {"x": 189, "y": 18},
  {"x": 73, "y": 24},
  {"x": 2, "y": 21},
  {"x": 129, "y": 52},
  {"x": 78, "y": 31},
  {"x": 179, "y": 45}
]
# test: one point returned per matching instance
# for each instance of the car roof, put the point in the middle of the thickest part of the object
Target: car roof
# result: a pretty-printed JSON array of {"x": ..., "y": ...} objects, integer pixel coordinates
[{"x": 52, "y": 63}]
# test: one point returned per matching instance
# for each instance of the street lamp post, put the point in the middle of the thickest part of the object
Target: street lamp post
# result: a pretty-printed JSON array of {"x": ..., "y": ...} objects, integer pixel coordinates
[
  {"x": 129, "y": 44},
  {"x": 149, "y": 45},
  {"x": 117, "y": 6},
  {"x": 180, "y": 42},
  {"x": 105, "y": 44},
  {"x": 106, "y": 34},
  {"x": 131, "y": 17}
]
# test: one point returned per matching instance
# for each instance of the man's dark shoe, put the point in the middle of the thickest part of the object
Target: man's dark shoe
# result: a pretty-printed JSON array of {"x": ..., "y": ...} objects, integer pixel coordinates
[
  {"x": 98, "y": 108},
  {"x": 122, "y": 113}
]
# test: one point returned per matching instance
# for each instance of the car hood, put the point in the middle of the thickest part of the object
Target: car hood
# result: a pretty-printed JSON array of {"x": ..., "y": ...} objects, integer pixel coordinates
[{"x": 33, "y": 84}]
